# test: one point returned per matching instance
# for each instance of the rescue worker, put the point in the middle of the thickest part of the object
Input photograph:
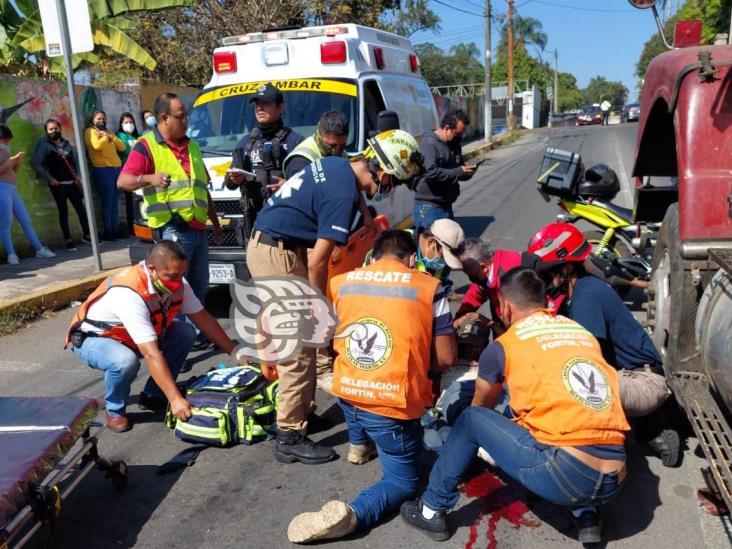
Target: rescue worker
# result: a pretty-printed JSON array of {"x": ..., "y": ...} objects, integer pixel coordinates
[
  {"x": 330, "y": 139},
  {"x": 315, "y": 209},
  {"x": 262, "y": 153},
  {"x": 132, "y": 315},
  {"x": 395, "y": 326},
  {"x": 565, "y": 441},
  {"x": 625, "y": 345},
  {"x": 439, "y": 187}
]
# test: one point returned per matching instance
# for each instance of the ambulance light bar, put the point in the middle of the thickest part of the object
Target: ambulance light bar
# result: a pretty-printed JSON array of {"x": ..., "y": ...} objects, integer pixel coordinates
[
  {"x": 253, "y": 37},
  {"x": 224, "y": 61}
]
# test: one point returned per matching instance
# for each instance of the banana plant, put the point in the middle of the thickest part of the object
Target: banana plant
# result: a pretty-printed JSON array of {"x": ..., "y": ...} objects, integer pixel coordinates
[{"x": 21, "y": 32}]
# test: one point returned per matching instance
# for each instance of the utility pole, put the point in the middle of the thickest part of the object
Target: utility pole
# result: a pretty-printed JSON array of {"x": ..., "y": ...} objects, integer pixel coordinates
[
  {"x": 556, "y": 81},
  {"x": 509, "y": 115},
  {"x": 488, "y": 106}
]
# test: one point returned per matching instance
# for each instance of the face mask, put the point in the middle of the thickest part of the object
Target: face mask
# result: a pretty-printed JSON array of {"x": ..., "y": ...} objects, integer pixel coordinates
[
  {"x": 100, "y": 125},
  {"x": 324, "y": 148},
  {"x": 150, "y": 121},
  {"x": 435, "y": 264},
  {"x": 556, "y": 291},
  {"x": 128, "y": 127},
  {"x": 378, "y": 195},
  {"x": 167, "y": 288},
  {"x": 4, "y": 147},
  {"x": 54, "y": 135}
]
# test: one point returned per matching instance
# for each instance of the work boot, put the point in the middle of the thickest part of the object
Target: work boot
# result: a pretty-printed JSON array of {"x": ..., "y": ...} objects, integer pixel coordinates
[
  {"x": 291, "y": 446},
  {"x": 589, "y": 527},
  {"x": 435, "y": 528},
  {"x": 334, "y": 520},
  {"x": 118, "y": 424},
  {"x": 358, "y": 454},
  {"x": 667, "y": 446}
]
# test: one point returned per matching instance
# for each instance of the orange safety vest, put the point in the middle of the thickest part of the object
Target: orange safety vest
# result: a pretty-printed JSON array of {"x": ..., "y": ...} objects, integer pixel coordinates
[
  {"x": 384, "y": 338},
  {"x": 136, "y": 279},
  {"x": 561, "y": 389}
]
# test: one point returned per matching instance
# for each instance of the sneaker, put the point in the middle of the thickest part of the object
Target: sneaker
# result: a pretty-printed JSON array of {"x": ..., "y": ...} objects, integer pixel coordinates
[
  {"x": 70, "y": 246},
  {"x": 435, "y": 528},
  {"x": 358, "y": 454},
  {"x": 13, "y": 259},
  {"x": 334, "y": 520},
  {"x": 86, "y": 238},
  {"x": 291, "y": 446},
  {"x": 45, "y": 253},
  {"x": 667, "y": 446},
  {"x": 589, "y": 527}
]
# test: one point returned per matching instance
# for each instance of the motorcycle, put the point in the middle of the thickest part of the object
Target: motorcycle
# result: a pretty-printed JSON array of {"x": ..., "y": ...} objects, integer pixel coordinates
[{"x": 622, "y": 249}]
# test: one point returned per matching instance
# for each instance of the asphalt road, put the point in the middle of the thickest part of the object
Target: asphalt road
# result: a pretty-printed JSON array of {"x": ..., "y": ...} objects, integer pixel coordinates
[{"x": 240, "y": 497}]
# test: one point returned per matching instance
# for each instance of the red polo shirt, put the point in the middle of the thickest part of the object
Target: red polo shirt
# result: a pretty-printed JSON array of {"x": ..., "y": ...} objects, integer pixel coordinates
[{"x": 140, "y": 162}]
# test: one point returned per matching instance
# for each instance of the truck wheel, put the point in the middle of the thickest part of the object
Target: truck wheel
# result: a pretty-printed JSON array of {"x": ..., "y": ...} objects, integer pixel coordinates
[{"x": 671, "y": 299}]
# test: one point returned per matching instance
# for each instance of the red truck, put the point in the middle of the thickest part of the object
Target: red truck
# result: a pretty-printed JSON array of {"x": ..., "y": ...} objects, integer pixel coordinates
[{"x": 685, "y": 135}]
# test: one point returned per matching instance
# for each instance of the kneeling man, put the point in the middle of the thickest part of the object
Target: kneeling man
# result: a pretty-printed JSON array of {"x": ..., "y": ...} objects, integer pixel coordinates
[{"x": 132, "y": 315}]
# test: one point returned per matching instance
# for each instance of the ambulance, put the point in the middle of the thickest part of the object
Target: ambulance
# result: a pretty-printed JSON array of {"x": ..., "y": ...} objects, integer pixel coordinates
[{"x": 359, "y": 71}]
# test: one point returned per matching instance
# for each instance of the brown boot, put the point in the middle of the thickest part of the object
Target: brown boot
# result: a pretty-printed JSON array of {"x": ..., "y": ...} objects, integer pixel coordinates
[
  {"x": 335, "y": 520},
  {"x": 118, "y": 424}
]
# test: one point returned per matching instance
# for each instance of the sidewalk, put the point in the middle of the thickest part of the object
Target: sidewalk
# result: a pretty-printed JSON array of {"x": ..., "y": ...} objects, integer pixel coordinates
[{"x": 57, "y": 281}]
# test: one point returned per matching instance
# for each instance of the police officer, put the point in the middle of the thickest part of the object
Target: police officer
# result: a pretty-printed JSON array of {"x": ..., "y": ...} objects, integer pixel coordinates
[
  {"x": 329, "y": 139},
  {"x": 391, "y": 317},
  {"x": 262, "y": 152}
]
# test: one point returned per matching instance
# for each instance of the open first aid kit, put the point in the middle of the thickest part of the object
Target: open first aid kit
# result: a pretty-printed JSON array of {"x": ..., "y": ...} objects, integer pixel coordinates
[{"x": 229, "y": 406}]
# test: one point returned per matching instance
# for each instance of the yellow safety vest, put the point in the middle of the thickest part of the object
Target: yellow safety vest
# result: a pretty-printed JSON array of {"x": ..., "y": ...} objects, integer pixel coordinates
[
  {"x": 188, "y": 197},
  {"x": 308, "y": 148}
]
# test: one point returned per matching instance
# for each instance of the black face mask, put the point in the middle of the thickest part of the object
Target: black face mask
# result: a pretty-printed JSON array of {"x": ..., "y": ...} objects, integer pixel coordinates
[
  {"x": 562, "y": 289},
  {"x": 100, "y": 125},
  {"x": 54, "y": 135}
]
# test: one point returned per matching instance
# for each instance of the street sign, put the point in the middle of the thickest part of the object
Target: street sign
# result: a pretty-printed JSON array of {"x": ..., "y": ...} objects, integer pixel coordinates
[
  {"x": 79, "y": 26},
  {"x": 550, "y": 92}
]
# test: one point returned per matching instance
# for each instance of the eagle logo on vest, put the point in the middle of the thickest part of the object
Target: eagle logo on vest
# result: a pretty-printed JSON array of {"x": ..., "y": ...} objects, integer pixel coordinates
[
  {"x": 587, "y": 383},
  {"x": 368, "y": 343}
]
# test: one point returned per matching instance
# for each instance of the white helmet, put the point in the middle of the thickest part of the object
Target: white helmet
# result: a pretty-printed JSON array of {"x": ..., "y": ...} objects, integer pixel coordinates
[{"x": 397, "y": 153}]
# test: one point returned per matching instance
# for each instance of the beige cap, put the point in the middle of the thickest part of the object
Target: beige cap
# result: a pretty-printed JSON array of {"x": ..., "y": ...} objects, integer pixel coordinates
[{"x": 451, "y": 237}]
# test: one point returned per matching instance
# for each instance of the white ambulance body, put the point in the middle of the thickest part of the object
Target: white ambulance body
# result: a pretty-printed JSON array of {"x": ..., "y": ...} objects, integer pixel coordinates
[{"x": 357, "y": 70}]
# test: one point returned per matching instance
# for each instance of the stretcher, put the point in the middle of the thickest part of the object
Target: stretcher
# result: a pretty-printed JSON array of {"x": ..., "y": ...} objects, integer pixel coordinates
[{"x": 48, "y": 445}]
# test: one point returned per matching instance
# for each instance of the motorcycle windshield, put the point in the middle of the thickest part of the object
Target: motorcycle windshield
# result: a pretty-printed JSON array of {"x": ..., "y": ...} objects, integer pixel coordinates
[{"x": 222, "y": 116}]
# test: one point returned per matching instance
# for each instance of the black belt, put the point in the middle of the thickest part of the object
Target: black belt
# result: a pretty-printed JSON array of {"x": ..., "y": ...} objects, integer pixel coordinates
[{"x": 263, "y": 238}]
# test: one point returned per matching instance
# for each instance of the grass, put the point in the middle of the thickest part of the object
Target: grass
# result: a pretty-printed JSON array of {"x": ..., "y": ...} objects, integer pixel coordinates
[{"x": 14, "y": 318}]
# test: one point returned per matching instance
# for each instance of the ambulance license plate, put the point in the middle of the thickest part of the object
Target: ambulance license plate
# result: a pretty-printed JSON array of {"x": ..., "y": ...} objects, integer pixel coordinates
[{"x": 221, "y": 273}]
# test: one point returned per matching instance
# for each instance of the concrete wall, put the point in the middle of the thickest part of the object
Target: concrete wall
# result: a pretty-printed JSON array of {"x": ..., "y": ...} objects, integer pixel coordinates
[{"x": 48, "y": 99}]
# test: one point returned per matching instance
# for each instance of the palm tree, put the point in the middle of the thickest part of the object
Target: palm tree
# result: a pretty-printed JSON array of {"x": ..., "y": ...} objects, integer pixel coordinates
[
  {"x": 527, "y": 31},
  {"x": 21, "y": 32}
]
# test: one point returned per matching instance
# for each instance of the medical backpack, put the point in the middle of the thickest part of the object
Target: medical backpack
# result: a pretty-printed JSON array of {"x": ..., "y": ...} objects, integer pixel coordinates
[{"x": 229, "y": 406}]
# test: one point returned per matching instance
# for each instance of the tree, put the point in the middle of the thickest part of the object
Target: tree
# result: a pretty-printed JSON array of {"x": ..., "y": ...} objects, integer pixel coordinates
[
  {"x": 460, "y": 65},
  {"x": 714, "y": 15},
  {"x": 22, "y": 41},
  {"x": 527, "y": 31},
  {"x": 600, "y": 88},
  {"x": 570, "y": 96}
]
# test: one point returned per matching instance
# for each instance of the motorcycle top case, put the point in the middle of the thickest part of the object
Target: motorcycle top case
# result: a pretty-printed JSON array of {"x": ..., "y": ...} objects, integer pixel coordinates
[
  {"x": 560, "y": 173},
  {"x": 229, "y": 406}
]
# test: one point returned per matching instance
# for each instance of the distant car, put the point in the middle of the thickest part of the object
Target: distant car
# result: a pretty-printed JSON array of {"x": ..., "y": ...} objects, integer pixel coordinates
[
  {"x": 589, "y": 115},
  {"x": 632, "y": 112}
]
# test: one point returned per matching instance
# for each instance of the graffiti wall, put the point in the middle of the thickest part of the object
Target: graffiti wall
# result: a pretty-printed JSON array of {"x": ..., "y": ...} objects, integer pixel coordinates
[{"x": 41, "y": 100}]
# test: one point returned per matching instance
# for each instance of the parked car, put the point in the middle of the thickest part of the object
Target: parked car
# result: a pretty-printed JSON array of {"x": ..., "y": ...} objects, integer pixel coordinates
[
  {"x": 589, "y": 115},
  {"x": 632, "y": 112}
]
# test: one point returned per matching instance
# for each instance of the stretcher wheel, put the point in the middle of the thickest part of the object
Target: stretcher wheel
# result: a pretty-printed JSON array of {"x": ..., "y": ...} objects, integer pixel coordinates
[{"x": 118, "y": 475}]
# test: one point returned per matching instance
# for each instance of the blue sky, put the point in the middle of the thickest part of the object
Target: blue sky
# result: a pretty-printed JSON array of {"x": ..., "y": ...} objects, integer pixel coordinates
[{"x": 590, "y": 43}]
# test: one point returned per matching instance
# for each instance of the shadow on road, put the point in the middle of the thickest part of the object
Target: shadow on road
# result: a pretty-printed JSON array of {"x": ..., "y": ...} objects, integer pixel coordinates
[{"x": 475, "y": 225}]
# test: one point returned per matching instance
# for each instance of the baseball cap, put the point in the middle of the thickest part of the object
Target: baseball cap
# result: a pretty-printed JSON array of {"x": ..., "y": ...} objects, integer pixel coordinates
[
  {"x": 268, "y": 93},
  {"x": 451, "y": 237}
]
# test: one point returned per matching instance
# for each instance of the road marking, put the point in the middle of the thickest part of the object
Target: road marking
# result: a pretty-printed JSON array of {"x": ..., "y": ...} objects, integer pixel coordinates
[{"x": 625, "y": 182}]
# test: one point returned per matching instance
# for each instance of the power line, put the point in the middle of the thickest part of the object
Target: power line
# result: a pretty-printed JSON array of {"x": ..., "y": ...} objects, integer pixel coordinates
[
  {"x": 457, "y": 9},
  {"x": 545, "y": 2}
]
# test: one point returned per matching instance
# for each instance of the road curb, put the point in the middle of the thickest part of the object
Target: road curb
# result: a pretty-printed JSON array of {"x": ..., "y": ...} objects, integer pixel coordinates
[
  {"x": 58, "y": 295},
  {"x": 482, "y": 149}
]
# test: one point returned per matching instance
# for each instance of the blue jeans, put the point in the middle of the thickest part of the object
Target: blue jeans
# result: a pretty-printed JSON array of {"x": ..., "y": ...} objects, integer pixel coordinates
[
  {"x": 426, "y": 213},
  {"x": 105, "y": 180},
  {"x": 399, "y": 444},
  {"x": 11, "y": 204},
  {"x": 546, "y": 470},
  {"x": 195, "y": 245},
  {"x": 120, "y": 364}
]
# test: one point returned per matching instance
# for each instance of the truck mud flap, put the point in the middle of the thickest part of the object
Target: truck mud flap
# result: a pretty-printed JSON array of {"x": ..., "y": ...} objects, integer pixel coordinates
[{"x": 710, "y": 426}]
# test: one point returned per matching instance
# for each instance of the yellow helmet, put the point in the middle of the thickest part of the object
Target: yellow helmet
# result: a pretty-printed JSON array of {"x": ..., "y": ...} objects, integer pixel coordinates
[{"x": 397, "y": 153}]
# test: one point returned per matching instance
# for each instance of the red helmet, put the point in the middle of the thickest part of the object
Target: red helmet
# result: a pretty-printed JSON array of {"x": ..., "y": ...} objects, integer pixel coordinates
[{"x": 560, "y": 243}]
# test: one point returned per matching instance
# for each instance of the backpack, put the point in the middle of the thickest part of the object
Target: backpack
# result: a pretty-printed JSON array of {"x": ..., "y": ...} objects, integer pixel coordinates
[{"x": 229, "y": 406}]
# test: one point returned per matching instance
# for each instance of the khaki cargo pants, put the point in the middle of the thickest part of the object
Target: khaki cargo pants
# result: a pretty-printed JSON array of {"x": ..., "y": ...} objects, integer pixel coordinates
[
  {"x": 297, "y": 377},
  {"x": 642, "y": 391}
]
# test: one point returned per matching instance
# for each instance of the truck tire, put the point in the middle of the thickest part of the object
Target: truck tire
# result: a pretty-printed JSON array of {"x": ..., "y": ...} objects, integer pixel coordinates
[{"x": 672, "y": 299}]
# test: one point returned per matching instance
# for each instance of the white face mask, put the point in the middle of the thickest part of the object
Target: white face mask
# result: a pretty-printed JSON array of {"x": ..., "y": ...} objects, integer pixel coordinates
[
  {"x": 150, "y": 121},
  {"x": 5, "y": 147},
  {"x": 128, "y": 127}
]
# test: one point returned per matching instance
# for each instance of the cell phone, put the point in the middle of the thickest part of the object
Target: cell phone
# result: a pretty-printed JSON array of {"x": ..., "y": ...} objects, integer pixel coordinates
[
  {"x": 240, "y": 171},
  {"x": 479, "y": 162}
]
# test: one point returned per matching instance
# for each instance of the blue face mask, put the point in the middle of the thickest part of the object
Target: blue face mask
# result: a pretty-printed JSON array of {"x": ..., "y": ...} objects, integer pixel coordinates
[{"x": 434, "y": 265}]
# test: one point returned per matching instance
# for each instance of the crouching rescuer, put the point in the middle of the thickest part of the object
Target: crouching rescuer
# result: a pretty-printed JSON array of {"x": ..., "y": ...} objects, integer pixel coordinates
[
  {"x": 395, "y": 326},
  {"x": 132, "y": 315}
]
